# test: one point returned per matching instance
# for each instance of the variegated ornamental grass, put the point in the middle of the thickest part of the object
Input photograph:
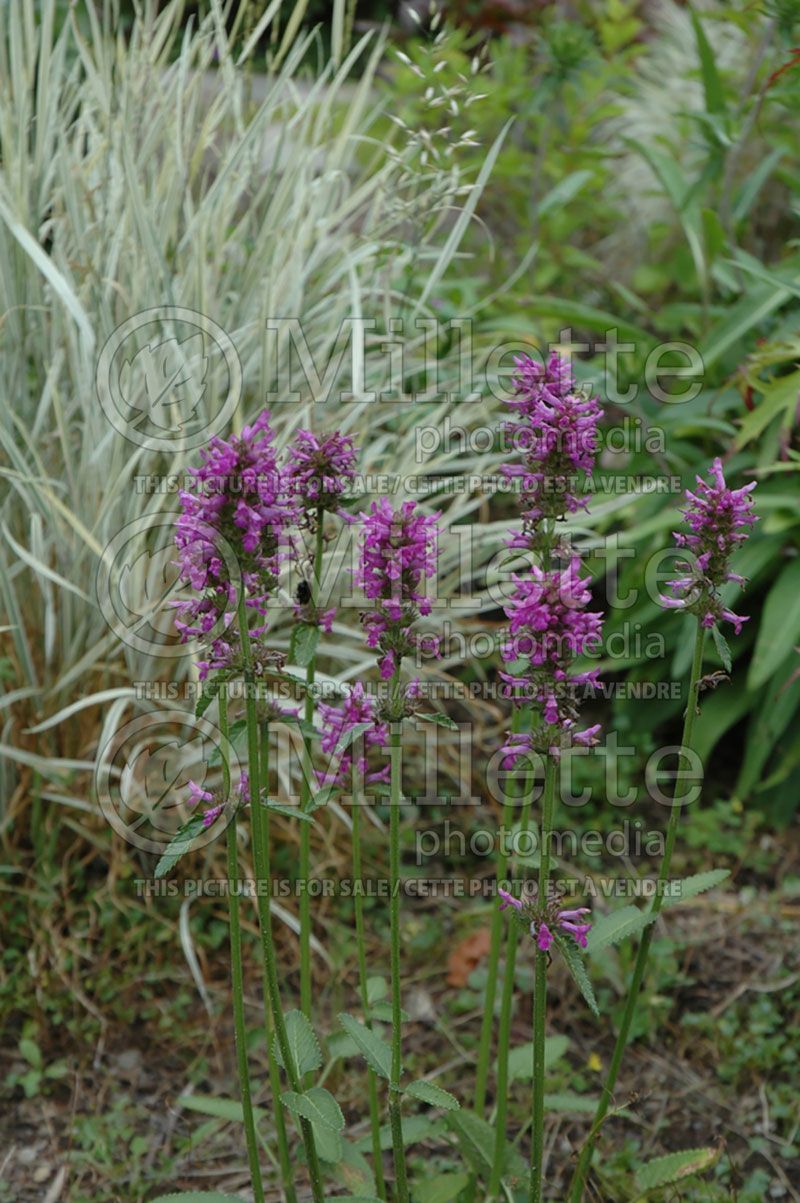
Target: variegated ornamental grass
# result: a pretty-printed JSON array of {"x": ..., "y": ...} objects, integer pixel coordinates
[{"x": 139, "y": 186}]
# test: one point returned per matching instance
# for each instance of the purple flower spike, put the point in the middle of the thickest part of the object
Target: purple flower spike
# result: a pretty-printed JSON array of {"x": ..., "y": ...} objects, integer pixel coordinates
[
  {"x": 548, "y": 627},
  {"x": 399, "y": 552},
  {"x": 319, "y": 471},
  {"x": 555, "y": 430},
  {"x": 234, "y": 515},
  {"x": 359, "y": 707},
  {"x": 719, "y": 520}
]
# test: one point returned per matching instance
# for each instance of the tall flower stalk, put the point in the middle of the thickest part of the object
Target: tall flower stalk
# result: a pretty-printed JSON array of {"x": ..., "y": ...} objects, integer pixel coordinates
[
  {"x": 555, "y": 429},
  {"x": 316, "y": 475},
  {"x": 719, "y": 519},
  {"x": 359, "y": 713},
  {"x": 237, "y": 973},
  {"x": 398, "y": 552},
  {"x": 229, "y": 537}
]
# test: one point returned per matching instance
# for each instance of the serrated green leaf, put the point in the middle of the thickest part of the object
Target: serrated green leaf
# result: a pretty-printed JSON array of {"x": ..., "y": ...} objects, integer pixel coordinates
[
  {"x": 377, "y": 989},
  {"x": 303, "y": 643},
  {"x": 674, "y": 1167},
  {"x": 199, "y": 1196},
  {"x": 288, "y": 812},
  {"x": 723, "y": 648},
  {"x": 329, "y": 1144},
  {"x": 383, "y": 1011},
  {"x": 211, "y": 688},
  {"x": 304, "y": 1049},
  {"x": 520, "y": 1059},
  {"x": 618, "y": 925},
  {"x": 440, "y": 720},
  {"x": 317, "y": 1105},
  {"x": 476, "y": 1139},
  {"x": 321, "y": 798},
  {"x": 179, "y": 845},
  {"x": 689, "y": 887},
  {"x": 566, "y": 1101},
  {"x": 434, "y": 1096},
  {"x": 441, "y": 1189},
  {"x": 574, "y": 962},
  {"x": 238, "y": 729},
  {"x": 376, "y": 1052},
  {"x": 225, "y": 1109},
  {"x": 415, "y": 1128}
]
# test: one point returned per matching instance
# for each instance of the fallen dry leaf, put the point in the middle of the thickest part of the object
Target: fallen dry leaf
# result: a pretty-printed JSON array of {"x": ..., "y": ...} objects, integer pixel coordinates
[{"x": 467, "y": 955}]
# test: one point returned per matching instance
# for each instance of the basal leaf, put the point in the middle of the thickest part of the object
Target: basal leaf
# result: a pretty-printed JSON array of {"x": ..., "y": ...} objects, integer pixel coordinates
[
  {"x": 444, "y": 1188},
  {"x": 433, "y": 1095},
  {"x": 317, "y": 1105},
  {"x": 225, "y": 1109},
  {"x": 304, "y": 1049},
  {"x": 199, "y": 1196},
  {"x": 440, "y": 720},
  {"x": 376, "y": 1052},
  {"x": 179, "y": 845},
  {"x": 674, "y": 1167},
  {"x": 520, "y": 1059}
]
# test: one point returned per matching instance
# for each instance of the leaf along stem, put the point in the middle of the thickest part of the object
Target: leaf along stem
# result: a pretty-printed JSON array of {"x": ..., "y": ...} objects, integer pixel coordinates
[
  {"x": 395, "y": 1118},
  {"x": 372, "y": 1081},
  {"x": 261, "y": 855},
  {"x": 305, "y": 791},
  {"x": 540, "y": 991},
  {"x": 237, "y": 972}
]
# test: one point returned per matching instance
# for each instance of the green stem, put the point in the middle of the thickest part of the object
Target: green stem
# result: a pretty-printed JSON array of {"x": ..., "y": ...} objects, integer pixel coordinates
[
  {"x": 395, "y": 1118},
  {"x": 261, "y": 855},
  {"x": 372, "y": 1081},
  {"x": 237, "y": 972},
  {"x": 504, "y": 1031},
  {"x": 498, "y": 920},
  {"x": 274, "y": 1076},
  {"x": 305, "y": 793},
  {"x": 540, "y": 991},
  {"x": 606, "y": 1097}
]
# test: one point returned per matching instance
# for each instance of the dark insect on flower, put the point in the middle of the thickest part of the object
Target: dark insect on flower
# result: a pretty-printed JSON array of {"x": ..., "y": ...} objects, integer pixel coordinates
[{"x": 303, "y": 593}]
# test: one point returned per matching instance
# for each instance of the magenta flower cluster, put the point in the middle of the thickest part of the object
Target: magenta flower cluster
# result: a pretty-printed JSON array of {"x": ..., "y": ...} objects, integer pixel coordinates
[
  {"x": 555, "y": 429},
  {"x": 232, "y": 524},
  {"x": 541, "y": 925},
  {"x": 719, "y": 519},
  {"x": 548, "y": 628},
  {"x": 319, "y": 471},
  {"x": 210, "y": 815},
  {"x": 359, "y": 708},
  {"x": 399, "y": 552}
]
